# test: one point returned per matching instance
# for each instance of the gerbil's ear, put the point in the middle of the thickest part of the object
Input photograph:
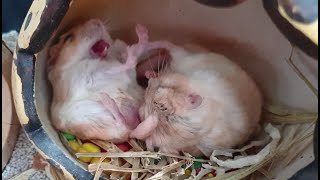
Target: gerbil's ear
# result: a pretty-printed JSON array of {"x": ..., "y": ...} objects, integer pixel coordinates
[
  {"x": 52, "y": 56},
  {"x": 194, "y": 100},
  {"x": 150, "y": 74},
  {"x": 53, "y": 52}
]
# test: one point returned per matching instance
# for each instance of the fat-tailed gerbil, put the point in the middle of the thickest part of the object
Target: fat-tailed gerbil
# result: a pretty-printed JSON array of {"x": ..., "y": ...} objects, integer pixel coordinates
[
  {"x": 95, "y": 94},
  {"x": 199, "y": 101}
]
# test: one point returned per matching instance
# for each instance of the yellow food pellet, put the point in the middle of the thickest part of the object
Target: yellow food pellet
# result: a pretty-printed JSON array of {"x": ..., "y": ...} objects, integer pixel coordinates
[
  {"x": 83, "y": 159},
  {"x": 108, "y": 173},
  {"x": 106, "y": 160},
  {"x": 187, "y": 172},
  {"x": 74, "y": 145},
  {"x": 210, "y": 175},
  {"x": 94, "y": 160},
  {"x": 91, "y": 147}
]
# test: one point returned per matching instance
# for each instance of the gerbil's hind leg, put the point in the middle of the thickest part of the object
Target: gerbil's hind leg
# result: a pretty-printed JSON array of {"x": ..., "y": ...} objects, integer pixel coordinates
[
  {"x": 143, "y": 45},
  {"x": 111, "y": 105},
  {"x": 143, "y": 36},
  {"x": 133, "y": 52}
]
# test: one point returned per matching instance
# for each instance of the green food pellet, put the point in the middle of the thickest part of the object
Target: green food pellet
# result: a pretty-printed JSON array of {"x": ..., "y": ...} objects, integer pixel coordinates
[
  {"x": 68, "y": 136},
  {"x": 197, "y": 164}
]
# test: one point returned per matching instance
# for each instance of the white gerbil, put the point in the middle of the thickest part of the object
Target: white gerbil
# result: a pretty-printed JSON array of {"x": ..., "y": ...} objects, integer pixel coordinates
[
  {"x": 200, "y": 102},
  {"x": 95, "y": 94}
]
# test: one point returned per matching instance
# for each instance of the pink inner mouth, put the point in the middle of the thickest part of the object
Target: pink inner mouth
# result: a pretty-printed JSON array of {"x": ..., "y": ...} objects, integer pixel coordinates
[{"x": 99, "y": 49}]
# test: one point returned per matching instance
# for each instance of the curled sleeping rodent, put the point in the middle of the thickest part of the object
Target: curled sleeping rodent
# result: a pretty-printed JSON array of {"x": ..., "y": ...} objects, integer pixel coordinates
[
  {"x": 198, "y": 102},
  {"x": 95, "y": 94}
]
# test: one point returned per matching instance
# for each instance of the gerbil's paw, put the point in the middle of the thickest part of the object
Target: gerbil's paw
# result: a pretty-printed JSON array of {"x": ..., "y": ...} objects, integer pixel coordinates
[
  {"x": 142, "y": 33},
  {"x": 133, "y": 53}
]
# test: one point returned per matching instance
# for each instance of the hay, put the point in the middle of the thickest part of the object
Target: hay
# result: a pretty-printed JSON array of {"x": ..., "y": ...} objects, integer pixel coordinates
[
  {"x": 285, "y": 130},
  {"x": 275, "y": 145}
]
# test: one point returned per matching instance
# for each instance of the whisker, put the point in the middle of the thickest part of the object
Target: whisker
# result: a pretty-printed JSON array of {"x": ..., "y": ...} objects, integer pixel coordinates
[
  {"x": 164, "y": 70},
  {"x": 151, "y": 65},
  {"x": 162, "y": 63},
  {"x": 109, "y": 24},
  {"x": 106, "y": 21},
  {"x": 168, "y": 65},
  {"x": 158, "y": 62}
]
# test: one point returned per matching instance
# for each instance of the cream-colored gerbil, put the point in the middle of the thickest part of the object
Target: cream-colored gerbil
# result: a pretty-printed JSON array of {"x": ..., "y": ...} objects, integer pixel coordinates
[
  {"x": 95, "y": 94},
  {"x": 199, "y": 102}
]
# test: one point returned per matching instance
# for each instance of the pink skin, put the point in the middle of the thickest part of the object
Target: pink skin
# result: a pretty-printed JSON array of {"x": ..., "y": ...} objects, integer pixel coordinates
[
  {"x": 145, "y": 128},
  {"x": 150, "y": 74},
  {"x": 99, "y": 49},
  {"x": 111, "y": 105},
  {"x": 133, "y": 53}
]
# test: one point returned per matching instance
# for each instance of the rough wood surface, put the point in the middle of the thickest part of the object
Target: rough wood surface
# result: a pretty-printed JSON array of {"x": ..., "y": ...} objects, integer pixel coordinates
[{"x": 10, "y": 124}]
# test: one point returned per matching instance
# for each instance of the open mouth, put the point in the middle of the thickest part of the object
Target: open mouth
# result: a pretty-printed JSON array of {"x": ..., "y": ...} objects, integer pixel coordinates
[{"x": 99, "y": 49}]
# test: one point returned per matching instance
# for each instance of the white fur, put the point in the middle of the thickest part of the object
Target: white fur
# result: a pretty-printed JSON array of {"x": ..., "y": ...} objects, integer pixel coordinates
[{"x": 78, "y": 80}]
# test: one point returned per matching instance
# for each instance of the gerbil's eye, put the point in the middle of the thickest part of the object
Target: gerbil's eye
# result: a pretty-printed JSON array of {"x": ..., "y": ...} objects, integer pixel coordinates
[{"x": 68, "y": 37}]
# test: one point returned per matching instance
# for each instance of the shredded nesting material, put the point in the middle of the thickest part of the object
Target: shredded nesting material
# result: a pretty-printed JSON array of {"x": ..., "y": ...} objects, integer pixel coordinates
[{"x": 270, "y": 145}]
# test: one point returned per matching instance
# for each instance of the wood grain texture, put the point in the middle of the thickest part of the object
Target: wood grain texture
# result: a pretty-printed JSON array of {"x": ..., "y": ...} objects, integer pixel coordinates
[
  {"x": 10, "y": 124},
  {"x": 23, "y": 85}
]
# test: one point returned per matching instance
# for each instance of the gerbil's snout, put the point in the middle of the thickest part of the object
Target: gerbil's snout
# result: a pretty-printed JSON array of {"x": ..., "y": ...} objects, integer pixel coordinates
[
  {"x": 92, "y": 39},
  {"x": 94, "y": 26},
  {"x": 95, "y": 22},
  {"x": 92, "y": 30},
  {"x": 161, "y": 100}
]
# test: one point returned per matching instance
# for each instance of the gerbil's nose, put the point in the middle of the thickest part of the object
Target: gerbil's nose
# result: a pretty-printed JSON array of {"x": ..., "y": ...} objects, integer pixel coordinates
[{"x": 96, "y": 22}]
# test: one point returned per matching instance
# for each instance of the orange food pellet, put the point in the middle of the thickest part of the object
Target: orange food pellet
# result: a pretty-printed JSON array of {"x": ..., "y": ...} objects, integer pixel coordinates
[{"x": 210, "y": 175}]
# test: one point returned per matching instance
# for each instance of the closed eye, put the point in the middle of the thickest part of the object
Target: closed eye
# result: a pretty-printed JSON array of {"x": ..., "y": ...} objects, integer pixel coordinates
[{"x": 68, "y": 37}]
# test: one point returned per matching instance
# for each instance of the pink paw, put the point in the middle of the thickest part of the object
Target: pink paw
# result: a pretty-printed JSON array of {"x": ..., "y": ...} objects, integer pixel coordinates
[
  {"x": 133, "y": 53},
  {"x": 142, "y": 33}
]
